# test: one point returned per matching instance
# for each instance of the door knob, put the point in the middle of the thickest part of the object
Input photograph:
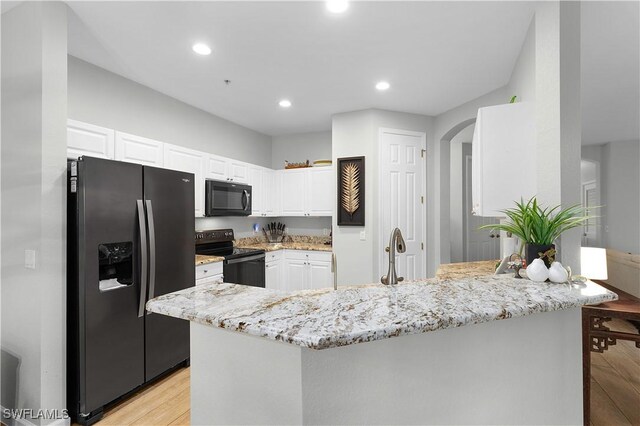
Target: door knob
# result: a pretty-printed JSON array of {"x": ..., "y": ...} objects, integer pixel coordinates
[{"x": 386, "y": 249}]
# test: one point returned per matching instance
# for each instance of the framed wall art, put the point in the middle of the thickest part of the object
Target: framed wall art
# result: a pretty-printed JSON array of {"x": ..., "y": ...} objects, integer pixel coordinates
[{"x": 351, "y": 185}]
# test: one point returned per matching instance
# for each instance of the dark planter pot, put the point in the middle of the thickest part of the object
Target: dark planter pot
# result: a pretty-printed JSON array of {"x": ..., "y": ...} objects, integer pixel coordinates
[{"x": 532, "y": 252}]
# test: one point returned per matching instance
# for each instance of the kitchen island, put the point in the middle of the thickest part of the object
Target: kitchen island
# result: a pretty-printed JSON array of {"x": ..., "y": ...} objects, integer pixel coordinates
[{"x": 431, "y": 351}]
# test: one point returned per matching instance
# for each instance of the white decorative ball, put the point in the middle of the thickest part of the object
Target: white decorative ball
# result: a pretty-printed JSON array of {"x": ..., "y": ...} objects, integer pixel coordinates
[
  {"x": 557, "y": 273},
  {"x": 537, "y": 271}
]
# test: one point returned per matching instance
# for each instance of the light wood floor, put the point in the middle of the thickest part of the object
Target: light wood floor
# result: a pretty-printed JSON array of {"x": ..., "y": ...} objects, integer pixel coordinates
[
  {"x": 166, "y": 402},
  {"x": 615, "y": 381},
  {"x": 615, "y": 392}
]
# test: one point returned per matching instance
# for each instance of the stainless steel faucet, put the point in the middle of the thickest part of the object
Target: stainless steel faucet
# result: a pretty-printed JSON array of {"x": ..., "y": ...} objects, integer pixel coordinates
[{"x": 396, "y": 242}]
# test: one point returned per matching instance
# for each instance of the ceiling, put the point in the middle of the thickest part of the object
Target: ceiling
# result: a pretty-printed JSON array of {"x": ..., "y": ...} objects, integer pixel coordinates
[
  {"x": 436, "y": 55},
  {"x": 610, "y": 71}
]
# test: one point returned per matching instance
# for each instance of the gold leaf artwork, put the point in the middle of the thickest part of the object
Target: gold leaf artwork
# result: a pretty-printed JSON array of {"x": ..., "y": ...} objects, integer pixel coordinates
[{"x": 350, "y": 188}]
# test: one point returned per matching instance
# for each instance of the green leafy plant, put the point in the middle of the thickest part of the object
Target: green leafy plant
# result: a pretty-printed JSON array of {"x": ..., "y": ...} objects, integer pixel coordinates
[{"x": 542, "y": 226}]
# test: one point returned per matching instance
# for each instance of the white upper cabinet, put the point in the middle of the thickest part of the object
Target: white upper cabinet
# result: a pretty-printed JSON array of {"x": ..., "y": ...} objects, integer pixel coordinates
[
  {"x": 88, "y": 139},
  {"x": 307, "y": 192},
  {"x": 321, "y": 191},
  {"x": 238, "y": 171},
  {"x": 188, "y": 160},
  {"x": 217, "y": 167},
  {"x": 136, "y": 149},
  {"x": 293, "y": 186},
  {"x": 257, "y": 190},
  {"x": 503, "y": 158},
  {"x": 271, "y": 193},
  {"x": 221, "y": 168}
]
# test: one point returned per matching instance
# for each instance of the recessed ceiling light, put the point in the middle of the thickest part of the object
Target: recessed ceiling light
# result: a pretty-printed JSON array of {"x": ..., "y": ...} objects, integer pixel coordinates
[
  {"x": 201, "y": 49},
  {"x": 285, "y": 103},
  {"x": 382, "y": 85},
  {"x": 337, "y": 6}
]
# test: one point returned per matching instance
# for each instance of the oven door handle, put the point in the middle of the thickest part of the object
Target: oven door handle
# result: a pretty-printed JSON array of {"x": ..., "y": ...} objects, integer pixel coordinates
[{"x": 244, "y": 259}]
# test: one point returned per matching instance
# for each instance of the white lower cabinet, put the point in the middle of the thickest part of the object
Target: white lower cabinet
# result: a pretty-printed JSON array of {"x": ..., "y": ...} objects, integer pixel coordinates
[
  {"x": 300, "y": 270},
  {"x": 209, "y": 273},
  {"x": 273, "y": 270}
]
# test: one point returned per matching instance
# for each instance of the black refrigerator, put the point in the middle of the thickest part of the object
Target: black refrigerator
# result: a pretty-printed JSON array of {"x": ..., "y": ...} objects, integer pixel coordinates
[{"x": 130, "y": 239}]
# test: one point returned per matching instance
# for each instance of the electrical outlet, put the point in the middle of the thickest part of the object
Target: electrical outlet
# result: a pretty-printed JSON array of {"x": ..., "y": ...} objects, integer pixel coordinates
[
  {"x": 30, "y": 259},
  {"x": 363, "y": 236}
]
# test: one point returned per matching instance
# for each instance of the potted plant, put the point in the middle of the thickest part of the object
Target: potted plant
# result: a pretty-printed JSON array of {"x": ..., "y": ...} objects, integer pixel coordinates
[{"x": 539, "y": 228}]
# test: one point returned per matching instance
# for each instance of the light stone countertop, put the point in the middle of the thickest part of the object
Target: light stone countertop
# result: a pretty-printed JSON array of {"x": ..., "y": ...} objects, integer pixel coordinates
[
  {"x": 202, "y": 259},
  {"x": 452, "y": 271},
  {"x": 321, "y": 319}
]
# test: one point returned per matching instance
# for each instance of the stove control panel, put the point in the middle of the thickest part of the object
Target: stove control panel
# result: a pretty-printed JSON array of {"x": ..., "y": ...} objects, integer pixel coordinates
[{"x": 214, "y": 236}]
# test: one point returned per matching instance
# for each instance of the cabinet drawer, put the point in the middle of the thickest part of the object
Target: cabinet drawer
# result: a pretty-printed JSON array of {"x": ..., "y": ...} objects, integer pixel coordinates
[
  {"x": 273, "y": 256},
  {"x": 217, "y": 279},
  {"x": 311, "y": 255},
  {"x": 208, "y": 270}
]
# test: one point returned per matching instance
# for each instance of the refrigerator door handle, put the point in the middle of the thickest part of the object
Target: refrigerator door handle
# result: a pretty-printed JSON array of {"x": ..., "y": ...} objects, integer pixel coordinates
[
  {"x": 152, "y": 251},
  {"x": 143, "y": 249}
]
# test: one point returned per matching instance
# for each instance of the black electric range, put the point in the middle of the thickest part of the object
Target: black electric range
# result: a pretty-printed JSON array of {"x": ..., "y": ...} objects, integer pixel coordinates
[{"x": 240, "y": 265}]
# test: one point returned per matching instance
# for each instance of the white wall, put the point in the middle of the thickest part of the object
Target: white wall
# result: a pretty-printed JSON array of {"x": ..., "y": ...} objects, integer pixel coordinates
[
  {"x": 620, "y": 194},
  {"x": 100, "y": 97},
  {"x": 523, "y": 77},
  {"x": 34, "y": 113},
  {"x": 355, "y": 134},
  {"x": 300, "y": 147}
]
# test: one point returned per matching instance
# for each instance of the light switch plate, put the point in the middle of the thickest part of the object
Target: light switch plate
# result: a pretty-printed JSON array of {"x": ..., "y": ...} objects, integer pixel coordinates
[
  {"x": 363, "y": 235},
  {"x": 30, "y": 259}
]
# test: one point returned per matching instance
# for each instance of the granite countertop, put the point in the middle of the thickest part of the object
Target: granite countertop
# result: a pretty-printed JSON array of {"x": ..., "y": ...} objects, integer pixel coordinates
[
  {"x": 321, "y": 319},
  {"x": 201, "y": 259},
  {"x": 452, "y": 271},
  {"x": 286, "y": 246}
]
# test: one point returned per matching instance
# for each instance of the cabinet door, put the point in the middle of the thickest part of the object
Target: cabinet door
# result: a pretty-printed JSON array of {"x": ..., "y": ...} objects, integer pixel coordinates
[
  {"x": 320, "y": 190},
  {"x": 271, "y": 193},
  {"x": 136, "y": 149},
  {"x": 293, "y": 186},
  {"x": 188, "y": 160},
  {"x": 90, "y": 140},
  {"x": 320, "y": 275},
  {"x": 295, "y": 274},
  {"x": 273, "y": 275},
  {"x": 238, "y": 171},
  {"x": 257, "y": 192},
  {"x": 217, "y": 168}
]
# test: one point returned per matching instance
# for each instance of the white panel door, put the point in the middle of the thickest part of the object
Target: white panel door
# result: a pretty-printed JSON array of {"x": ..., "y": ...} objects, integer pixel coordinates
[
  {"x": 295, "y": 274},
  {"x": 238, "y": 171},
  {"x": 402, "y": 187},
  {"x": 482, "y": 244},
  {"x": 217, "y": 168},
  {"x": 136, "y": 149},
  {"x": 90, "y": 140},
  {"x": 320, "y": 275},
  {"x": 320, "y": 192},
  {"x": 273, "y": 275},
  {"x": 188, "y": 160},
  {"x": 293, "y": 186}
]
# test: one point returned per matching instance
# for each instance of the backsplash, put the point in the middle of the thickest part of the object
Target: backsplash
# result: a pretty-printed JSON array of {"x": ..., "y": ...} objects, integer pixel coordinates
[
  {"x": 243, "y": 226},
  {"x": 308, "y": 239}
]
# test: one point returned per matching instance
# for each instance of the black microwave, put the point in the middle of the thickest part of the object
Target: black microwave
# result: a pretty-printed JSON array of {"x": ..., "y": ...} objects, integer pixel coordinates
[{"x": 223, "y": 198}]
